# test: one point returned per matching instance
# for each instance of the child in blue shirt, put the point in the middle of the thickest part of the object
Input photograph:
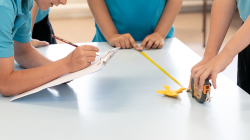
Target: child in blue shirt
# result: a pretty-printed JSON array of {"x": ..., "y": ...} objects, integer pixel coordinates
[
  {"x": 41, "y": 28},
  {"x": 122, "y": 22},
  {"x": 214, "y": 62},
  {"x": 15, "y": 43}
]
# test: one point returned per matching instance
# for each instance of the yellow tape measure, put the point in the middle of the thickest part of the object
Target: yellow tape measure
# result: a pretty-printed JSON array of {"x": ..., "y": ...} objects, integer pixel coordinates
[{"x": 159, "y": 67}]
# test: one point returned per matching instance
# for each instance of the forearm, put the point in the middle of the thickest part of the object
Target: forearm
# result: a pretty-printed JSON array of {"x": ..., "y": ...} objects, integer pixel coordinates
[
  {"x": 168, "y": 16},
  {"x": 14, "y": 82},
  {"x": 221, "y": 17},
  {"x": 34, "y": 11},
  {"x": 102, "y": 18},
  {"x": 23, "y": 80},
  {"x": 28, "y": 57},
  {"x": 239, "y": 41}
]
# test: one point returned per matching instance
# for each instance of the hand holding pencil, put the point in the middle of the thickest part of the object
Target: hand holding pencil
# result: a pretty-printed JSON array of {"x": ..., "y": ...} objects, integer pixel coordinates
[{"x": 80, "y": 58}]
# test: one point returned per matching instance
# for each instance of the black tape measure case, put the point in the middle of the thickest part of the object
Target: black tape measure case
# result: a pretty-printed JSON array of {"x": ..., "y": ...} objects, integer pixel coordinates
[{"x": 201, "y": 96}]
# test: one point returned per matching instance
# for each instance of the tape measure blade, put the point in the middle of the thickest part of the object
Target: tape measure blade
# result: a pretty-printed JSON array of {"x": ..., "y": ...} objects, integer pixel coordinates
[{"x": 159, "y": 67}]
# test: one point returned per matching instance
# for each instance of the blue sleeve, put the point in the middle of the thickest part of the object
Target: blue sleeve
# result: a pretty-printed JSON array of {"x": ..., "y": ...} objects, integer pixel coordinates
[
  {"x": 6, "y": 25},
  {"x": 23, "y": 34}
]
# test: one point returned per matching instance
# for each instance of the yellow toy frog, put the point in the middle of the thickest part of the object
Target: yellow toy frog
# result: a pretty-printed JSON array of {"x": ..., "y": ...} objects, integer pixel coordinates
[{"x": 171, "y": 93}]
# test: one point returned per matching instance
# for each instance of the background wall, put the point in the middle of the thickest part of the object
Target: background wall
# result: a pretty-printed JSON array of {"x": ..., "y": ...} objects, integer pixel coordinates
[
  {"x": 73, "y": 9},
  {"x": 80, "y": 8}
]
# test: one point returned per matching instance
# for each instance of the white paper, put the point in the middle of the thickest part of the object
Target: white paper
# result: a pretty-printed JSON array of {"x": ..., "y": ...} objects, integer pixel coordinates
[{"x": 100, "y": 62}]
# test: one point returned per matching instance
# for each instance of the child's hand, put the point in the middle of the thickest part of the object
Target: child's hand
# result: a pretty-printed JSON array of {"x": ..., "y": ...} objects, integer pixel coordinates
[
  {"x": 37, "y": 43},
  {"x": 154, "y": 41},
  {"x": 125, "y": 41},
  {"x": 80, "y": 58},
  {"x": 202, "y": 62},
  {"x": 210, "y": 70}
]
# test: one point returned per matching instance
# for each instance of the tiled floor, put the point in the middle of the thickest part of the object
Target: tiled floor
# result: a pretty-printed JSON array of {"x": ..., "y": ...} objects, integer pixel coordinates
[{"x": 188, "y": 27}]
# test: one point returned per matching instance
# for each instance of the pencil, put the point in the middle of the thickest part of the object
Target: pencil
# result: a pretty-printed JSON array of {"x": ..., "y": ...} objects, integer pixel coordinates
[{"x": 63, "y": 40}]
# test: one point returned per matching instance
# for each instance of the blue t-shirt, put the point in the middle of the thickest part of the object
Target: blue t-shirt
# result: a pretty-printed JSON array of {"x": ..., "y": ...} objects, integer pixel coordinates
[
  {"x": 41, "y": 15},
  {"x": 137, "y": 17},
  {"x": 244, "y": 9},
  {"x": 15, "y": 24}
]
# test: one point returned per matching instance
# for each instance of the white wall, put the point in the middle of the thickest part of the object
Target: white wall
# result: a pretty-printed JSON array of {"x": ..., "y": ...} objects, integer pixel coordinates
[
  {"x": 80, "y": 9},
  {"x": 73, "y": 9}
]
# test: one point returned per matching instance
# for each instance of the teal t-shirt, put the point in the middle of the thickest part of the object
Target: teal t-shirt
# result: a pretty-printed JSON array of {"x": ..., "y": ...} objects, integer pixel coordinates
[
  {"x": 244, "y": 8},
  {"x": 15, "y": 24},
  {"x": 137, "y": 17},
  {"x": 41, "y": 15}
]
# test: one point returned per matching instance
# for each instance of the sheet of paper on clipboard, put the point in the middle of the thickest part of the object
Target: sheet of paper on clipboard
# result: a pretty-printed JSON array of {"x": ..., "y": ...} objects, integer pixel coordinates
[{"x": 97, "y": 65}]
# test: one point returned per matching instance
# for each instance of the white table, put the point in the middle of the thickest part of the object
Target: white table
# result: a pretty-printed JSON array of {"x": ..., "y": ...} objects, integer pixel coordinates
[{"x": 120, "y": 103}]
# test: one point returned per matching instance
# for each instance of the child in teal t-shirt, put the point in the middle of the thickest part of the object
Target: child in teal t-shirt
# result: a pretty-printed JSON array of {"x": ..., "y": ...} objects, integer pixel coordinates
[
  {"x": 15, "y": 36},
  {"x": 214, "y": 62},
  {"x": 41, "y": 29},
  {"x": 122, "y": 22}
]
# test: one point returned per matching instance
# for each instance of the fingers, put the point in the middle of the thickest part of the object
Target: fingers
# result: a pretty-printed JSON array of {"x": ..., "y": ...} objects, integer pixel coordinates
[
  {"x": 206, "y": 70},
  {"x": 123, "y": 45},
  {"x": 125, "y": 41},
  {"x": 90, "y": 59},
  {"x": 117, "y": 44},
  {"x": 205, "y": 73},
  {"x": 37, "y": 43},
  {"x": 120, "y": 44},
  {"x": 150, "y": 43},
  {"x": 128, "y": 41},
  {"x": 89, "y": 48},
  {"x": 196, "y": 73},
  {"x": 133, "y": 43},
  {"x": 161, "y": 44},
  {"x": 90, "y": 53},
  {"x": 194, "y": 70},
  {"x": 127, "y": 44},
  {"x": 81, "y": 57},
  {"x": 43, "y": 43},
  {"x": 144, "y": 43},
  {"x": 214, "y": 77},
  {"x": 156, "y": 44},
  {"x": 87, "y": 52},
  {"x": 203, "y": 77},
  {"x": 209, "y": 77},
  {"x": 197, "y": 79}
]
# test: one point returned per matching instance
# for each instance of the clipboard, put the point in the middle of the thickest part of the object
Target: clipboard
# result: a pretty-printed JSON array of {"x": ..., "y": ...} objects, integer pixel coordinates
[{"x": 95, "y": 66}]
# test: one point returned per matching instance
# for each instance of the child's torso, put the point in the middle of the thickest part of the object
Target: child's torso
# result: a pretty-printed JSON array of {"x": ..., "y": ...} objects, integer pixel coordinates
[
  {"x": 137, "y": 17},
  {"x": 41, "y": 15}
]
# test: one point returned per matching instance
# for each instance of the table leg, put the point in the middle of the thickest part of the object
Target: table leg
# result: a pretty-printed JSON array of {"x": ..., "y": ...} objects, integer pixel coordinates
[{"x": 204, "y": 21}]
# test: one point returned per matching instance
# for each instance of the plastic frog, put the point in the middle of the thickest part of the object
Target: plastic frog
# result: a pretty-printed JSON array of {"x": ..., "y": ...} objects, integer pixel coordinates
[{"x": 171, "y": 93}]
